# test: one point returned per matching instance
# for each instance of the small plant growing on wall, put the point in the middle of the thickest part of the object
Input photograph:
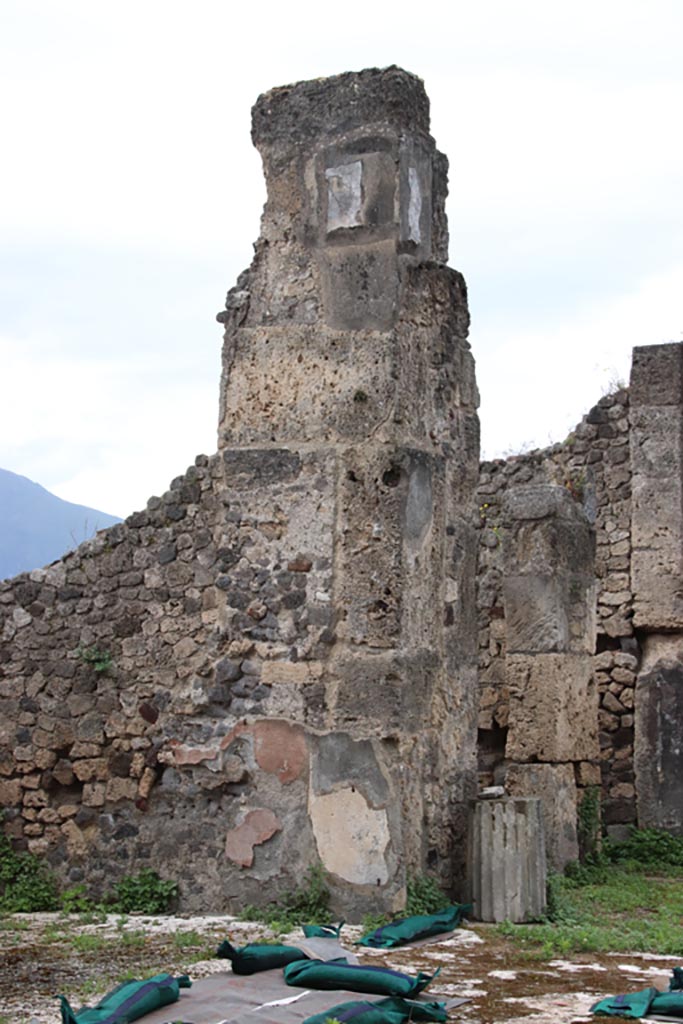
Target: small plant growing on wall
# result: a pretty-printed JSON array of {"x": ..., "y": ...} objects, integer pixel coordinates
[
  {"x": 488, "y": 517},
  {"x": 575, "y": 483},
  {"x": 99, "y": 660}
]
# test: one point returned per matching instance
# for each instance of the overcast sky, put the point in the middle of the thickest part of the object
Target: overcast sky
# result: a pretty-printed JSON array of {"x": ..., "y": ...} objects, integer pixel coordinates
[{"x": 130, "y": 197}]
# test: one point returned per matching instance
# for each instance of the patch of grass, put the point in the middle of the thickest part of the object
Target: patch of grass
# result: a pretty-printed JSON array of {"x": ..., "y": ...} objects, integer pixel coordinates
[
  {"x": 371, "y": 922},
  {"x": 305, "y": 905},
  {"x": 424, "y": 896},
  {"x": 135, "y": 939},
  {"x": 87, "y": 943},
  {"x": 97, "y": 915},
  {"x": 185, "y": 939},
  {"x": 203, "y": 952},
  {"x": 13, "y": 924},
  {"x": 55, "y": 932},
  {"x": 95, "y": 985},
  {"x": 26, "y": 883},
  {"x": 648, "y": 847},
  {"x": 144, "y": 893},
  {"x": 615, "y": 911},
  {"x": 76, "y": 900}
]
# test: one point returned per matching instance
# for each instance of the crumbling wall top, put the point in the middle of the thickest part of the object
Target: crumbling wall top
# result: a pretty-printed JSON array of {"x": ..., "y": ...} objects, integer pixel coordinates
[{"x": 294, "y": 114}]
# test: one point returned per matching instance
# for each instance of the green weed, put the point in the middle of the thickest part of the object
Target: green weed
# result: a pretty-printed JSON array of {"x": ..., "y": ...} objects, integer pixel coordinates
[
  {"x": 87, "y": 943},
  {"x": 648, "y": 847},
  {"x": 11, "y": 924},
  {"x": 185, "y": 939},
  {"x": 26, "y": 883},
  {"x": 145, "y": 893},
  {"x": 55, "y": 932},
  {"x": 76, "y": 900},
  {"x": 424, "y": 896},
  {"x": 371, "y": 922},
  {"x": 588, "y": 822},
  {"x": 96, "y": 915},
  {"x": 99, "y": 660},
  {"x": 135, "y": 939},
  {"x": 308, "y": 903}
]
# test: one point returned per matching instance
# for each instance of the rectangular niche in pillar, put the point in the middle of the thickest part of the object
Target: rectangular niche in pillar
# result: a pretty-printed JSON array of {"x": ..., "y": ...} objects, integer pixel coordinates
[
  {"x": 358, "y": 194},
  {"x": 344, "y": 196}
]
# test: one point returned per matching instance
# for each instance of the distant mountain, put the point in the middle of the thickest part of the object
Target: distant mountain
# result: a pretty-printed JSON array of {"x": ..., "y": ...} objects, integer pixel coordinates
[{"x": 37, "y": 527}]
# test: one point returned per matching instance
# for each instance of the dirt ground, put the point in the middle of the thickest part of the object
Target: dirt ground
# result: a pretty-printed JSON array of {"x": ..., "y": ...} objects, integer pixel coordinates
[{"x": 44, "y": 955}]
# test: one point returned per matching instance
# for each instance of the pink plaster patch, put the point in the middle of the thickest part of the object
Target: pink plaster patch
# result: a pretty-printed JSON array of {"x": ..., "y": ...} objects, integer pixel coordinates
[
  {"x": 279, "y": 747},
  {"x": 192, "y": 755},
  {"x": 258, "y": 826}
]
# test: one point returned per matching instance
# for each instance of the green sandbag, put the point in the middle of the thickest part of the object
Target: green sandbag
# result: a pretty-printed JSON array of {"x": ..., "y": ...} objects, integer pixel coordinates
[
  {"x": 339, "y": 974},
  {"x": 645, "y": 1002},
  {"x": 258, "y": 956},
  {"x": 668, "y": 1004},
  {"x": 323, "y": 931},
  {"x": 393, "y": 1010},
  {"x": 636, "y": 1004},
  {"x": 128, "y": 1001},
  {"x": 410, "y": 929}
]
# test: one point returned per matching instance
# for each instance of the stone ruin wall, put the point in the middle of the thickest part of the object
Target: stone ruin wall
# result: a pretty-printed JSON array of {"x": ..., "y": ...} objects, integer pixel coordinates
[
  {"x": 289, "y": 668},
  {"x": 621, "y": 465},
  {"x": 288, "y": 636}
]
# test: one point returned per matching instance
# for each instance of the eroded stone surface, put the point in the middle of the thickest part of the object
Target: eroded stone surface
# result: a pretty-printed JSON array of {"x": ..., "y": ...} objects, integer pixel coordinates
[
  {"x": 658, "y": 734},
  {"x": 553, "y": 708},
  {"x": 555, "y": 785}
]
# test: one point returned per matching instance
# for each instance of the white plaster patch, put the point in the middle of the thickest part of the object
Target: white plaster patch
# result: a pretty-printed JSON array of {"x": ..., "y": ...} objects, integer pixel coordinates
[
  {"x": 644, "y": 956},
  {"x": 414, "y": 206},
  {"x": 566, "y": 965},
  {"x": 466, "y": 990},
  {"x": 351, "y": 837},
  {"x": 344, "y": 196},
  {"x": 633, "y": 969},
  {"x": 463, "y": 937}
]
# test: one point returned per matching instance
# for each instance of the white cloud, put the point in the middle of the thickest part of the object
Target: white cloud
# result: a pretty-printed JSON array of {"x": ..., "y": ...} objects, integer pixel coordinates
[
  {"x": 536, "y": 385},
  {"x": 127, "y": 130},
  {"x": 100, "y": 432}
]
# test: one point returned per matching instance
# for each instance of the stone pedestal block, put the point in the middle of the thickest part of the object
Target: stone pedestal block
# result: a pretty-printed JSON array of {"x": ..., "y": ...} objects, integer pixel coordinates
[{"x": 507, "y": 860}]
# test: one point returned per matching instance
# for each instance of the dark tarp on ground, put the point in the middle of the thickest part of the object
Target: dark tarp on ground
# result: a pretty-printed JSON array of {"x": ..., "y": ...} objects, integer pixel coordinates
[{"x": 234, "y": 999}]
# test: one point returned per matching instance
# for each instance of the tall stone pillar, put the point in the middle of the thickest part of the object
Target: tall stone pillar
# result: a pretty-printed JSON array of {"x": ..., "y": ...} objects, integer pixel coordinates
[
  {"x": 549, "y": 594},
  {"x": 657, "y": 576},
  {"x": 349, "y": 442}
]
